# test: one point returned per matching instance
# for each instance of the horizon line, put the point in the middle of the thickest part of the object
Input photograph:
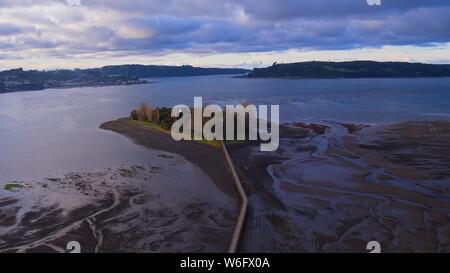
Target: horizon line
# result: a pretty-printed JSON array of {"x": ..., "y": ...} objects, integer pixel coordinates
[{"x": 223, "y": 67}]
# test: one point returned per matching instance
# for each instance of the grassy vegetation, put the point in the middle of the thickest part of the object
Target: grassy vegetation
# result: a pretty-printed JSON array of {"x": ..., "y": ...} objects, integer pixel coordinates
[
  {"x": 214, "y": 143},
  {"x": 153, "y": 126},
  {"x": 149, "y": 125},
  {"x": 13, "y": 186}
]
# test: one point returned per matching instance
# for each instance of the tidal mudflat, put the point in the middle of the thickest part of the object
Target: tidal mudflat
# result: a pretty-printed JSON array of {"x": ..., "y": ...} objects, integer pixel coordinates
[
  {"x": 52, "y": 134},
  {"x": 152, "y": 207},
  {"x": 333, "y": 187}
]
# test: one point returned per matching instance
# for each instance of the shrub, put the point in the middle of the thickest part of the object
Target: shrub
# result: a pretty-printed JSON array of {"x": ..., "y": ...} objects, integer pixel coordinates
[
  {"x": 144, "y": 112},
  {"x": 134, "y": 115}
]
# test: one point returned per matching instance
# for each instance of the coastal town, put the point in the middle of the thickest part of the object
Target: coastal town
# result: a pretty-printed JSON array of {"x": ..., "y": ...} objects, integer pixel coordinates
[{"x": 19, "y": 80}]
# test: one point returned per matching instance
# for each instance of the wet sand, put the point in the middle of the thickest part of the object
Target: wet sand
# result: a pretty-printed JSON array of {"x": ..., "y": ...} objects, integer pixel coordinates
[
  {"x": 166, "y": 205},
  {"x": 334, "y": 187},
  {"x": 208, "y": 158}
]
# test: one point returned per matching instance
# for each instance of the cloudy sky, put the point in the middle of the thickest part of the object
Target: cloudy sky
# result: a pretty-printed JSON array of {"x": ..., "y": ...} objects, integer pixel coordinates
[{"x": 48, "y": 34}]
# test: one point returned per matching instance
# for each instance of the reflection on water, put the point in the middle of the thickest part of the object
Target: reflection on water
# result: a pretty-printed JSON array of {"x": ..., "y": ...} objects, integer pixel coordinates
[{"x": 43, "y": 132}]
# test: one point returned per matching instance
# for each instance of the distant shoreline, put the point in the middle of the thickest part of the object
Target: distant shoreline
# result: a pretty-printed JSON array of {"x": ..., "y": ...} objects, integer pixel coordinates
[
  {"x": 351, "y": 70},
  {"x": 338, "y": 78},
  {"x": 78, "y": 86},
  {"x": 31, "y": 80}
]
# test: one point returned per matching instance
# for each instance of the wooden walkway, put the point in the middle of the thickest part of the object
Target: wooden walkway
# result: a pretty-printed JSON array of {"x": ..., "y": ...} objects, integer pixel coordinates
[{"x": 234, "y": 244}]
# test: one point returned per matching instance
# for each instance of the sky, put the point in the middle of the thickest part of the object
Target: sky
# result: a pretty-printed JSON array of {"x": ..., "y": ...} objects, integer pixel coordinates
[{"x": 51, "y": 34}]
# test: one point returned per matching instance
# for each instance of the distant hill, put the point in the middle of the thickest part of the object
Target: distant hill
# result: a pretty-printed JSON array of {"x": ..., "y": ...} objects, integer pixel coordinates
[
  {"x": 149, "y": 71},
  {"x": 355, "y": 69},
  {"x": 15, "y": 80}
]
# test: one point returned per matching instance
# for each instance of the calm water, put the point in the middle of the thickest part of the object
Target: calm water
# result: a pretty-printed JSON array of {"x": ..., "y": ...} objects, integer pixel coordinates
[{"x": 56, "y": 131}]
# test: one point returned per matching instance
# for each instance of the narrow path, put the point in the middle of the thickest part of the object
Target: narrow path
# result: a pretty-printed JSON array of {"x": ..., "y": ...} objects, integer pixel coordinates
[{"x": 244, "y": 204}]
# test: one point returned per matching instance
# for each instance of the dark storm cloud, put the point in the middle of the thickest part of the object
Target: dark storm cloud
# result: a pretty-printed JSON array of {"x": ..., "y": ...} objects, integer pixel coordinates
[
  {"x": 289, "y": 9},
  {"x": 221, "y": 26}
]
